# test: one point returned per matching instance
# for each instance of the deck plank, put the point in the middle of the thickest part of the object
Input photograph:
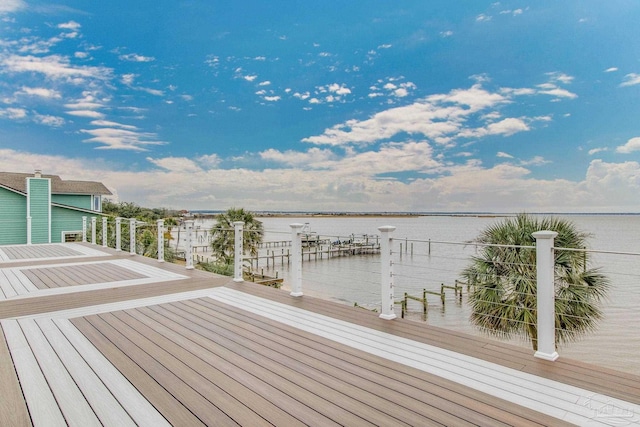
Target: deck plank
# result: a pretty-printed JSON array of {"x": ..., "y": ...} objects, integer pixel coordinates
[
  {"x": 102, "y": 402},
  {"x": 71, "y": 401},
  {"x": 169, "y": 381},
  {"x": 429, "y": 390},
  {"x": 597, "y": 379},
  {"x": 181, "y": 345},
  {"x": 166, "y": 404},
  {"x": 304, "y": 402},
  {"x": 551, "y": 397},
  {"x": 42, "y": 405},
  {"x": 337, "y": 369},
  {"x": 6, "y": 290},
  {"x": 13, "y": 409},
  {"x": 209, "y": 398},
  {"x": 119, "y": 388}
]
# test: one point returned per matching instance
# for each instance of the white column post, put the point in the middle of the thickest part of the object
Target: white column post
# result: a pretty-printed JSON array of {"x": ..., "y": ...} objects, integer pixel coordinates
[
  {"x": 296, "y": 262},
  {"x": 93, "y": 230},
  {"x": 104, "y": 231},
  {"x": 28, "y": 230},
  {"x": 132, "y": 236},
  {"x": 386, "y": 272},
  {"x": 160, "y": 224},
  {"x": 546, "y": 295},
  {"x": 84, "y": 229},
  {"x": 118, "y": 234},
  {"x": 238, "y": 252},
  {"x": 188, "y": 249}
]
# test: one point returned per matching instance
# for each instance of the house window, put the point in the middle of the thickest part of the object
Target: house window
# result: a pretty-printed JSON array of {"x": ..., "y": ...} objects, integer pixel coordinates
[
  {"x": 96, "y": 203},
  {"x": 71, "y": 236}
]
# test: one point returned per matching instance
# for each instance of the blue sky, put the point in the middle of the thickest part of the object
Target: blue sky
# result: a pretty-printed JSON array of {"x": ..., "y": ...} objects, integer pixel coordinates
[{"x": 342, "y": 106}]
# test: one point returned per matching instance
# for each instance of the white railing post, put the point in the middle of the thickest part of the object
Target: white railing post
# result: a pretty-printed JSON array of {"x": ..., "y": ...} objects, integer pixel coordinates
[
  {"x": 132, "y": 236},
  {"x": 84, "y": 229},
  {"x": 93, "y": 230},
  {"x": 118, "y": 234},
  {"x": 546, "y": 295},
  {"x": 104, "y": 231},
  {"x": 386, "y": 272},
  {"x": 296, "y": 261},
  {"x": 160, "y": 224},
  {"x": 238, "y": 251},
  {"x": 188, "y": 246}
]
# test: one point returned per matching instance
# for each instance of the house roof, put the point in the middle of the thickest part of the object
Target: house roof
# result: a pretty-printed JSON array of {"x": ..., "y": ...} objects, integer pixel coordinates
[{"x": 18, "y": 182}]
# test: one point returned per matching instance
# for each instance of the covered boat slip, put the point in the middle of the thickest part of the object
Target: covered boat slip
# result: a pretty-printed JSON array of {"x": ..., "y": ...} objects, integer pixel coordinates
[{"x": 185, "y": 347}]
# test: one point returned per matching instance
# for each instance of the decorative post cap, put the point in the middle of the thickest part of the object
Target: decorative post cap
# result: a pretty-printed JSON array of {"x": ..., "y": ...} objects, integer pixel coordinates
[{"x": 545, "y": 234}]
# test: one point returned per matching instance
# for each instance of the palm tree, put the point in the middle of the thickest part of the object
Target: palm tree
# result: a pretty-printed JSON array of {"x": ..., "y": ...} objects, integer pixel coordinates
[
  {"x": 222, "y": 234},
  {"x": 503, "y": 298}
]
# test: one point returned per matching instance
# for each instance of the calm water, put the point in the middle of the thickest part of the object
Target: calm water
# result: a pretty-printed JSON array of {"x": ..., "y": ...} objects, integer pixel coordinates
[{"x": 355, "y": 279}]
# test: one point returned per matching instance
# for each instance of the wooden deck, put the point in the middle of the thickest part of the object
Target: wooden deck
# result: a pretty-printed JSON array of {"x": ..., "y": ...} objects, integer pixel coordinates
[{"x": 95, "y": 337}]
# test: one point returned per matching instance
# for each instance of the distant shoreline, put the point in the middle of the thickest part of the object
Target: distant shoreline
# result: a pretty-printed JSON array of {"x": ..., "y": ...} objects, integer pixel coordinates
[{"x": 273, "y": 214}]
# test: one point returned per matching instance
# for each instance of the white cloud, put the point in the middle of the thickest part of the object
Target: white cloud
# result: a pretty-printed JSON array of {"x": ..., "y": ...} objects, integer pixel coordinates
[
  {"x": 632, "y": 145},
  {"x": 535, "y": 161},
  {"x": 71, "y": 25},
  {"x": 47, "y": 120},
  {"x": 631, "y": 80},
  {"x": 177, "y": 182},
  {"x": 54, "y": 67},
  {"x": 611, "y": 70},
  {"x": 121, "y": 139},
  {"x": 314, "y": 157},
  {"x": 265, "y": 83},
  {"x": 437, "y": 116},
  {"x": 13, "y": 113},
  {"x": 504, "y": 155},
  {"x": 483, "y": 18},
  {"x": 517, "y": 91},
  {"x": 507, "y": 127},
  {"x": 40, "y": 92},
  {"x": 107, "y": 123},
  {"x": 86, "y": 113},
  {"x": 614, "y": 187},
  {"x": 250, "y": 78},
  {"x": 447, "y": 33},
  {"x": 154, "y": 92},
  {"x": 176, "y": 164},
  {"x": 557, "y": 76},
  {"x": 339, "y": 89},
  {"x": 10, "y": 6},
  {"x": 302, "y": 96},
  {"x": 128, "y": 79},
  {"x": 558, "y": 92},
  {"x": 272, "y": 98},
  {"x": 134, "y": 57},
  {"x": 209, "y": 161},
  {"x": 597, "y": 150}
]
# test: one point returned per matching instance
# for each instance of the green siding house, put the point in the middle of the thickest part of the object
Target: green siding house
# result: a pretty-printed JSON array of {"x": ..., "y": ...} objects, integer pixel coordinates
[{"x": 37, "y": 208}]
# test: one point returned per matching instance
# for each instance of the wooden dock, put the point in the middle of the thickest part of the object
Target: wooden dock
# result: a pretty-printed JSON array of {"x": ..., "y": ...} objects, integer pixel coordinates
[{"x": 91, "y": 336}]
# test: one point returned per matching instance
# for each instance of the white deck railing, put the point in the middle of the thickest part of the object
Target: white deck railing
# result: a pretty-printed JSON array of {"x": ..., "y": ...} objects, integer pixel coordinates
[{"x": 395, "y": 267}]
